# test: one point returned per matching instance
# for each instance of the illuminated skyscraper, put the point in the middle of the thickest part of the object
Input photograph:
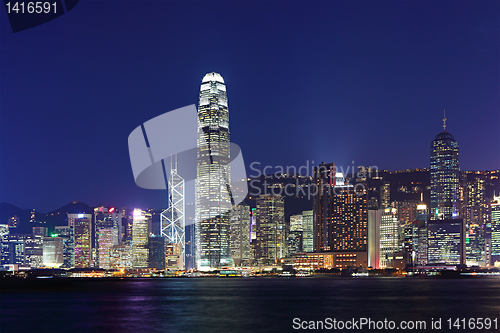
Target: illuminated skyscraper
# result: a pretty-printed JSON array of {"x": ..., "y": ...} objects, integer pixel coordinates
[
  {"x": 445, "y": 173},
  {"x": 68, "y": 237},
  {"x": 213, "y": 200},
  {"x": 389, "y": 234},
  {"x": 172, "y": 219},
  {"x": 445, "y": 231},
  {"x": 82, "y": 229},
  {"x": 307, "y": 231},
  {"x": 295, "y": 233},
  {"x": 156, "y": 248},
  {"x": 324, "y": 182},
  {"x": 495, "y": 231},
  {"x": 140, "y": 235},
  {"x": 105, "y": 218},
  {"x": 240, "y": 234},
  {"x": 421, "y": 256},
  {"x": 477, "y": 220},
  {"x": 340, "y": 213},
  {"x": 107, "y": 239},
  {"x": 270, "y": 238}
]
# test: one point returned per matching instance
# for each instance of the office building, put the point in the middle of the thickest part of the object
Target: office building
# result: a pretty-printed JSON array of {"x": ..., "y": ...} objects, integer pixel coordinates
[
  {"x": 173, "y": 219},
  {"x": 42, "y": 231},
  {"x": 477, "y": 217},
  {"x": 445, "y": 231},
  {"x": 82, "y": 230},
  {"x": 140, "y": 236},
  {"x": 240, "y": 234},
  {"x": 173, "y": 256},
  {"x": 156, "y": 247},
  {"x": 33, "y": 251},
  {"x": 53, "y": 251},
  {"x": 213, "y": 198},
  {"x": 105, "y": 218},
  {"x": 374, "y": 220},
  {"x": 66, "y": 233},
  {"x": 422, "y": 216},
  {"x": 107, "y": 239},
  {"x": 24, "y": 250},
  {"x": 270, "y": 229},
  {"x": 495, "y": 231},
  {"x": 295, "y": 234},
  {"x": 120, "y": 256},
  {"x": 445, "y": 173},
  {"x": 446, "y": 242},
  {"x": 389, "y": 234},
  {"x": 307, "y": 231},
  {"x": 341, "y": 214},
  {"x": 12, "y": 250}
]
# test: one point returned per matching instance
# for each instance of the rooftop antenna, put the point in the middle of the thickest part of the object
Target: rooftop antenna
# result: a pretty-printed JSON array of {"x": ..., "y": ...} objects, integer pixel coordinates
[{"x": 444, "y": 120}]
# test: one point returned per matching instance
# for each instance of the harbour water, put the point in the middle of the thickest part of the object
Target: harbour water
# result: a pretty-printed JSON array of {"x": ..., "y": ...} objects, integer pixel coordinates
[{"x": 241, "y": 304}]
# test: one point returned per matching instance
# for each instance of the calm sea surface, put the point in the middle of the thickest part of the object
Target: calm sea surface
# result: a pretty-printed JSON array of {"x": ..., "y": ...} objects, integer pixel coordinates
[{"x": 240, "y": 305}]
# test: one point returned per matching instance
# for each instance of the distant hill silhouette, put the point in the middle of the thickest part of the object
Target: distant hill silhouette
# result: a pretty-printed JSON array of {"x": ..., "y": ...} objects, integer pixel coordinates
[
  {"x": 8, "y": 210},
  {"x": 50, "y": 220}
]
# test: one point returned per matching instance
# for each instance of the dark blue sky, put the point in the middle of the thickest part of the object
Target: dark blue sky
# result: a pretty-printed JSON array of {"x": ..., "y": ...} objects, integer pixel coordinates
[{"x": 317, "y": 81}]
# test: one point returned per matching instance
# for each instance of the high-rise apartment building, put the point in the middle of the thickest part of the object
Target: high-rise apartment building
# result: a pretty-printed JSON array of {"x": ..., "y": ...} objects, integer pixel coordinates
[{"x": 213, "y": 198}]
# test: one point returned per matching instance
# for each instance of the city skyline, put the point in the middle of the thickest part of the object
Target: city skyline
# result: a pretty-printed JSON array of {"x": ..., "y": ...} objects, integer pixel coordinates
[
  {"x": 249, "y": 166},
  {"x": 370, "y": 92}
]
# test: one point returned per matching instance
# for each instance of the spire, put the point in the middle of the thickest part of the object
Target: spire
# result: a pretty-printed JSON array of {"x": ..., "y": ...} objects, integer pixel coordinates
[{"x": 444, "y": 120}]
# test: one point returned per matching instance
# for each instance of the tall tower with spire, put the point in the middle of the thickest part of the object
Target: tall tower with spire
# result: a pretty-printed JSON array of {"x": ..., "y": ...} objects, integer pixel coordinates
[
  {"x": 445, "y": 174},
  {"x": 213, "y": 201}
]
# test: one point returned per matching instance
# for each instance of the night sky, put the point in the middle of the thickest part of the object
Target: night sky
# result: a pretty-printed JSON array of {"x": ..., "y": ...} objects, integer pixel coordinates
[{"x": 326, "y": 81}]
